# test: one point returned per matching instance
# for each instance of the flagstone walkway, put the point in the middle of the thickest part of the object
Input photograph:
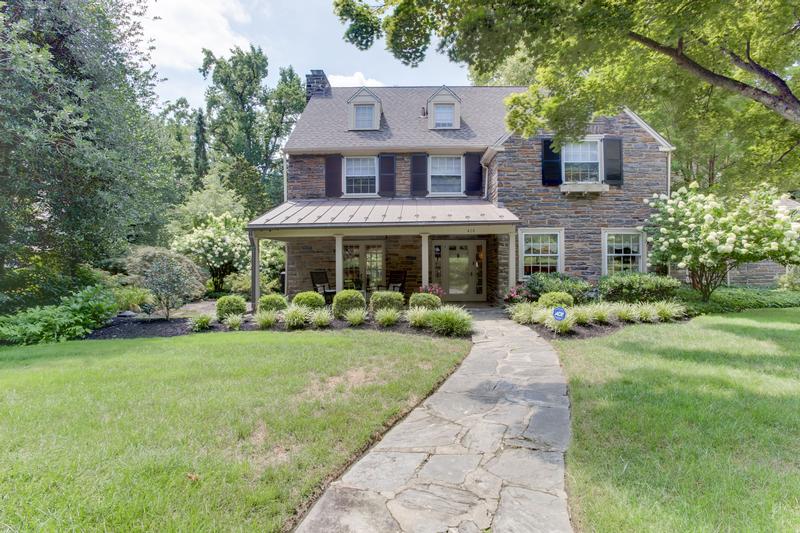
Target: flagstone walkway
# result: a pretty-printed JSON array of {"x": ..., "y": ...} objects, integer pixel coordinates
[{"x": 484, "y": 451}]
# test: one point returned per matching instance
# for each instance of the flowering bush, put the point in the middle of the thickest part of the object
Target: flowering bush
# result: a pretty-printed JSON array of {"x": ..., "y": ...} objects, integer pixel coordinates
[
  {"x": 710, "y": 235},
  {"x": 433, "y": 289},
  {"x": 220, "y": 245},
  {"x": 519, "y": 294}
]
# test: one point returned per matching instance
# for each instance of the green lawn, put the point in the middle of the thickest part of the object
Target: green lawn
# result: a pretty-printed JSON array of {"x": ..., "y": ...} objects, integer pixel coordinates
[
  {"x": 207, "y": 432},
  {"x": 687, "y": 427}
]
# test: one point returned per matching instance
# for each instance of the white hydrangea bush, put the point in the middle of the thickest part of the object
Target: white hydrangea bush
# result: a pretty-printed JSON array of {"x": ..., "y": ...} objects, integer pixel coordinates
[
  {"x": 709, "y": 235},
  {"x": 220, "y": 245}
]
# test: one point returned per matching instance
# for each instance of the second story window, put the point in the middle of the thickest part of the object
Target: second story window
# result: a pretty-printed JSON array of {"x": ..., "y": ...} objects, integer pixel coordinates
[
  {"x": 581, "y": 162},
  {"x": 446, "y": 175},
  {"x": 444, "y": 115},
  {"x": 360, "y": 175},
  {"x": 364, "y": 116}
]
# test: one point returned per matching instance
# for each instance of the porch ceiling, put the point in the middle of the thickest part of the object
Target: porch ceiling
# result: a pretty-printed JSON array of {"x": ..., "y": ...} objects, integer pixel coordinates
[{"x": 375, "y": 213}]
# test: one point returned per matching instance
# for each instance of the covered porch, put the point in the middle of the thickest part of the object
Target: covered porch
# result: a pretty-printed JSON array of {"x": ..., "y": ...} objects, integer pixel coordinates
[{"x": 465, "y": 246}]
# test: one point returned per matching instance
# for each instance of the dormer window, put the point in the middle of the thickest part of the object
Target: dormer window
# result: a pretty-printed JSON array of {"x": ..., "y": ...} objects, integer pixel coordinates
[
  {"x": 443, "y": 115},
  {"x": 444, "y": 110},
  {"x": 365, "y": 110},
  {"x": 364, "y": 116}
]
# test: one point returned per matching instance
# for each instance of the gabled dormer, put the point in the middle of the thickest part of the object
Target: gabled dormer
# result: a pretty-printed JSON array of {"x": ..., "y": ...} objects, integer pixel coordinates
[
  {"x": 365, "y": 110},
  {"x": 444, "y": 110}
]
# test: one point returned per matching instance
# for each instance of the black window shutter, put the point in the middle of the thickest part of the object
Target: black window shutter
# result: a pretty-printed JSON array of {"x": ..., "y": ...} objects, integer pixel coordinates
[
  {"x": 333, "y": 176},
  {"x": 612, "y": 160},
  {"x": 386, "y": 172},
  {"x": 473, "y": 174},
  {"x": 419, "y": 175},
  {"x": 551, "y": 164}
]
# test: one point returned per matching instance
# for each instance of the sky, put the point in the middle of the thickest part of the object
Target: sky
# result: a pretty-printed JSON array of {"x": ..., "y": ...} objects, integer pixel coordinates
[{"x": 302, "y": 33}]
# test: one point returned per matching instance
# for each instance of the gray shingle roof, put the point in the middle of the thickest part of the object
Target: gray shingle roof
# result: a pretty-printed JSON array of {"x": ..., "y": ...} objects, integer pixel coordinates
[{"x": 323, "y": 126}]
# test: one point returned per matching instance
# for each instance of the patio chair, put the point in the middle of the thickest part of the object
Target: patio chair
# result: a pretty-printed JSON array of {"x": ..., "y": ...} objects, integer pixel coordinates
[
  {"x": 396, "y": 281},
  {"x": 319, "y": 280}
]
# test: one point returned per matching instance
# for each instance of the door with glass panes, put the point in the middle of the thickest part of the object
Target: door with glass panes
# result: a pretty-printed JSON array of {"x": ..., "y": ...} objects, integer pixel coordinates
[{"x": 459, "y": 267}]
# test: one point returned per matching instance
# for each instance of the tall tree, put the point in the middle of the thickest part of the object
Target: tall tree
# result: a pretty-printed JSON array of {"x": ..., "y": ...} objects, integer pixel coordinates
[
  {"x": 81, "y": 169},
  {"x": 201, "y": 165},
  {"x": 590, "y": 57},
  {"x": 249, "y": 120}
]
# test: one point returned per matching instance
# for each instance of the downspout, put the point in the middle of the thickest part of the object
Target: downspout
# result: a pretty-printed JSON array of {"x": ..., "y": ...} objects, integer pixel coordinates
[{"x": 285, "y": 177}]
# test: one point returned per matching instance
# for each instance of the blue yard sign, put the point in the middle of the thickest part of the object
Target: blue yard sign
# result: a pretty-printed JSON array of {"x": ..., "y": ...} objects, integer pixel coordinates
[{"x": 559, "y": 313}]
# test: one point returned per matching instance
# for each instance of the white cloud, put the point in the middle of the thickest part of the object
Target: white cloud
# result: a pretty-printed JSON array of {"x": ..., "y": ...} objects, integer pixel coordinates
[
  {"x": 185, "y": 27},
  {"x": 357, "y": 79}
]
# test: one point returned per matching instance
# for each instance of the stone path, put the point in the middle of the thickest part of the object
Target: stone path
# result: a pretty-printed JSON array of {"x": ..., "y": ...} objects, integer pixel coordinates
[{"x": 485, "y": 451}]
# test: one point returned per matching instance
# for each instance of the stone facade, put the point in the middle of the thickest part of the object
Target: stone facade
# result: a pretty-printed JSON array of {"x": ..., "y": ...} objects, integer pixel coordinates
[
  {"x": 761, "y": 274},
  {"x": 306, "y": 176},
  {"x": 518, "y": 172}
]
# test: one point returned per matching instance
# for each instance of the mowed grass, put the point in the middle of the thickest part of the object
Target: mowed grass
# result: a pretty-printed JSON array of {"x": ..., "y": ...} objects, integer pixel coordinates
[
  {"x": 230, "y": 431},
  {"x": 687, "y": 427}
]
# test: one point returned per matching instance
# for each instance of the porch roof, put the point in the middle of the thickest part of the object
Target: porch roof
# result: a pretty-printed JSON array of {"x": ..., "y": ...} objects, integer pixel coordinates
[{"x": 382, "y": 212}]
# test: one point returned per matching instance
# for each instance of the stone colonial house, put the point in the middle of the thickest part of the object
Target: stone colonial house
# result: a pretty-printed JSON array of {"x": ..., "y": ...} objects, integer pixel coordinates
[{"x": 403, "y": 187}]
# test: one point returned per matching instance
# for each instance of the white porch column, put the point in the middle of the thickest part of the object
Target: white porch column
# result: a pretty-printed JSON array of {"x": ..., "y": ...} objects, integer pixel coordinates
[
  {"x": 255, "y": 272},
  {"x": 512, "y": 260},
  {"x": 425, "y": 259},
  {"x": 339, "y": 262}
]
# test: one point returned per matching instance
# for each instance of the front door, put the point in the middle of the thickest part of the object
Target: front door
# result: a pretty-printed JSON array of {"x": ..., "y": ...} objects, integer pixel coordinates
[{"x": 460, "y": 268}]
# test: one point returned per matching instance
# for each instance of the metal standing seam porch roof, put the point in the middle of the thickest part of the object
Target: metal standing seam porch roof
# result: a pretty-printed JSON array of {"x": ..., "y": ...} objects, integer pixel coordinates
[{"x": 369, "y": 212}]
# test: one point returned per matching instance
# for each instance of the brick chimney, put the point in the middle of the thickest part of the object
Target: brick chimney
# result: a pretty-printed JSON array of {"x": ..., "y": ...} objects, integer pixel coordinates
[{"x": 317, "y": 84}]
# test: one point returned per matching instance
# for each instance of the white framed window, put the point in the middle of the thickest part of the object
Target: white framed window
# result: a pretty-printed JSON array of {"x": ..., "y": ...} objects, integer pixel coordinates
[
  {"x": 581, "y": 162},
  {"x": 364, "y": 116},
  {"x": 444, "y": 115},
  {"x": 541, "y": 250},
  {"x": 445, "y": 175},
  {"x": 360, "y": 176},
  {"x": 623, "y": 250}
]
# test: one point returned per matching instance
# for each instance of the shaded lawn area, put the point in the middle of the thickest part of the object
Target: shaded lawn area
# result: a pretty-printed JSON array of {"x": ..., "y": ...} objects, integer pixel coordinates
[
  {"x": 201, "y": 432},
  {"x": 687, "y": 427}
]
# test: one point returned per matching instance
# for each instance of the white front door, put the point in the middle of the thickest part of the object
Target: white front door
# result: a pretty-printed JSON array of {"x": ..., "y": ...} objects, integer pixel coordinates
[{"x": 460, "y": 268}]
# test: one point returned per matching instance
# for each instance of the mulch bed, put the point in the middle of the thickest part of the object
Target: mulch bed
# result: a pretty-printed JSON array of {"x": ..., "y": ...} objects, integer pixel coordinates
[
  {"x": 587, "y": 332},
  {"x": 136, "y": 327}
]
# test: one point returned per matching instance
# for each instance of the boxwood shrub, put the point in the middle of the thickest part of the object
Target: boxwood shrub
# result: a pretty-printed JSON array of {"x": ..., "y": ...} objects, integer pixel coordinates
[
  {"x": 230, "y": 305},
  {"x": 386, "y": 300},
  {"x": 541, "y": 283},
  {"x": 424, "y": 299},
  {"x": 346, "y": 300},
  {"x": 554, "y": 299},
  {"x": 310, "y": 299},
  {"x": 637, "y": 287},
  {"x": 272, "y": 302}
]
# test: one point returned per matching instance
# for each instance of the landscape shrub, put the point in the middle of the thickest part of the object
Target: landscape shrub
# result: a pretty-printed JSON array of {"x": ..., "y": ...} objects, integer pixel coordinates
[
  {"x": 560, "y": 327},
  {"x": 295, "y": 316},
  {"x": 424, "y": 299},
  {"x": 386, "y": 300},
  {"x": 230, "y": 305},
  {"x": 646, "y": 312},
  {"x": 241, "y": 283},
  {"x": 356, "y": 316},
  {"x": 626, "y": 312},
  {"x": 200, "y": 323},
  {"x": 131, "y": 298},
  {"x": 233, "y": 321},
  {"x": 555, "y": 299},
  {"x": 636, "y": 287},
  {"x": 581, "y": 315},
  {"x": 733, "y": 299},
  {"x": 523, "y": 312},
  {"x": 169, "y": 282},
  {"x": 791, "y": 280},
  {"x": 344, "y": 301},
  {"x": 669, "y": 310},
  {"x": 74, "y": 317},
  {"x": 541, "y": 283},
  {"x": 141, "y": 258},
  {"x": 266, "y": 318},
  {"x": 310, "y": 299},
  {"x": 450, "y": 320},
  {"x": 417, "y": 317},
  {"x": 272, "y": 302},
  {"x": 320, "y": 318},
  {"x": 387, "y": 317},
  {"x": 41, "y": 282},
  {"x": 518, "y": 294},
  {"x": 601, "y": 312}
]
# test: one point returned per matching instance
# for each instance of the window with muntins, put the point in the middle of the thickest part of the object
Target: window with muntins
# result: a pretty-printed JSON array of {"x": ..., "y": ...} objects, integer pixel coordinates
[
  {"x": 446, "y": 175},
  {"x": 623, "y": 252},
  {"x": 364, "y": 116},
  {"x": 444, "y": 115},
  {"x": 581, "y": 162},
  {"x": 540, "y": 253},
  {"x": 360, "y": 175}
]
